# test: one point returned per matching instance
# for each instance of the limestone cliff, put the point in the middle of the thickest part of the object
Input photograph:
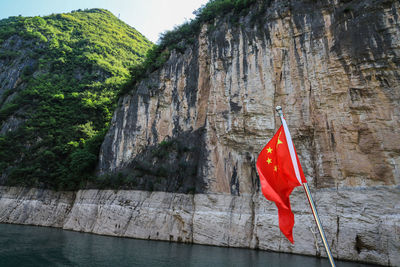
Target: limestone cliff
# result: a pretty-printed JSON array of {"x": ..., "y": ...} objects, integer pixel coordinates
[{"x": 332, "y": 65}]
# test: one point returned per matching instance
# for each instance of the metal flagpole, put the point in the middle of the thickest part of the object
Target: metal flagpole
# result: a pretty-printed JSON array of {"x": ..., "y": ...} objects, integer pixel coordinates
[
  {"x": 313, "y": 209},
  {"x": 317, "y": 220}
]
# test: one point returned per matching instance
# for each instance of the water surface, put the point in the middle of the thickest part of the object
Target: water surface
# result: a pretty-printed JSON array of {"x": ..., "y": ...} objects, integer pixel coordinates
[{"x": 42, "y": 246}]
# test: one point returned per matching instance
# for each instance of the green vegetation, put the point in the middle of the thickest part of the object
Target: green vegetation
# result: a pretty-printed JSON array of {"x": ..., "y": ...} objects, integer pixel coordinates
[
  {"x": 75, "y": 65},
  {"x": 186, "y": 32}
]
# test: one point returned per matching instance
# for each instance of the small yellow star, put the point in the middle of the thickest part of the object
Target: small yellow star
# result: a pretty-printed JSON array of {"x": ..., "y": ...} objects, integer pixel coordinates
[
  {"x": 269, "y": 161},
  {"x": 279, "y": 141},
  {"x": 276, "y": 168},
  {"x": 269, "y": 150}
]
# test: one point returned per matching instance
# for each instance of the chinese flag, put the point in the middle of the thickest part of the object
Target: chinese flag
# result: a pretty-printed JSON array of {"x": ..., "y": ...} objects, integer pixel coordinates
[{"x": 280, "y": 172}]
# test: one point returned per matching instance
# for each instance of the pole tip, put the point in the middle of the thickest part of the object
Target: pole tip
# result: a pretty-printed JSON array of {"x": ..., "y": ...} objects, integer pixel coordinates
[{"x": 279, "y": 110}]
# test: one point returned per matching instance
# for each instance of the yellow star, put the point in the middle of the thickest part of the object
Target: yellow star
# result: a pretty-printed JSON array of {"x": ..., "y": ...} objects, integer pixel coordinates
[
  {"x": 269, "y": 161},
  {"x": 269, "y": 150},
  {"x": 276, "y": 168},
  {"x": 279, "y": 141}
]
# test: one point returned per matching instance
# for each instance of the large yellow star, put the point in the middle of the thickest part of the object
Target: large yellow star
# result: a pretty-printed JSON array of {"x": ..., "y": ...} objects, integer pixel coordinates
[
  {"x": 269, "y": 161},
  {"x": 269, "y": 150}
]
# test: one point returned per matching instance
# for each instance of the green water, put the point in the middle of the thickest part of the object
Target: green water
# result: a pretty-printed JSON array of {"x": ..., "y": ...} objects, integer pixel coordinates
[{"x": 42, "y": 246}]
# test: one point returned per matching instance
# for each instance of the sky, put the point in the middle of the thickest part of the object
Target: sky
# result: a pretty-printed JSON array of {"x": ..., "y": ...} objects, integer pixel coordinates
[{"x": 149, "y": 17}]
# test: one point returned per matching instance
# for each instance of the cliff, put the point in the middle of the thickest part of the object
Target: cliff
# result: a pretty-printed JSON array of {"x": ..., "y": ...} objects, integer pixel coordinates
[{"x": 332, "y": 65}]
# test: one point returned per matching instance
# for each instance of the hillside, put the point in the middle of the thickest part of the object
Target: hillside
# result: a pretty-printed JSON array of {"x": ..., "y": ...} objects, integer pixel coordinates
[{"x": 59, "y": 79}]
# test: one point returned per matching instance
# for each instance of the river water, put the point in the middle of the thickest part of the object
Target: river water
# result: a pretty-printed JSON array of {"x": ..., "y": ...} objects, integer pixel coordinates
[{"x": 42, "y": 246}]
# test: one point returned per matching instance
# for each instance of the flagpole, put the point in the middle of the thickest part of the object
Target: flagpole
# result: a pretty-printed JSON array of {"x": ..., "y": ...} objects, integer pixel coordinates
[
  {"x": 313, "y": 208},
  {"x": 318, "y": 222}
]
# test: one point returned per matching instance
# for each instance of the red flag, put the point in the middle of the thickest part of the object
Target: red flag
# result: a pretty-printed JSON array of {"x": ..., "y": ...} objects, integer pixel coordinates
[{"x": 280, "y": 172}]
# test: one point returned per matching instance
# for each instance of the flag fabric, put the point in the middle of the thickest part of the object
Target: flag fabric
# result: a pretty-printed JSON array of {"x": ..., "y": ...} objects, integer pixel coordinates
[{"x": 280, "y": 172}]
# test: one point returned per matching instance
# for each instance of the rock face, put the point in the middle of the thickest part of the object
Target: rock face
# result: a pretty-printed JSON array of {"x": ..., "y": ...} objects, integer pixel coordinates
[
  {"x": 14, "y": 61},
  {"x": 353, "y": 226},
  {"x": 334, "y": 67}
]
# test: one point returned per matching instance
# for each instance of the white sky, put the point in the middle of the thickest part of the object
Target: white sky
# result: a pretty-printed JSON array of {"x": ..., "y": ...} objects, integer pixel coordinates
[{"x": 150, "y": 17}]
